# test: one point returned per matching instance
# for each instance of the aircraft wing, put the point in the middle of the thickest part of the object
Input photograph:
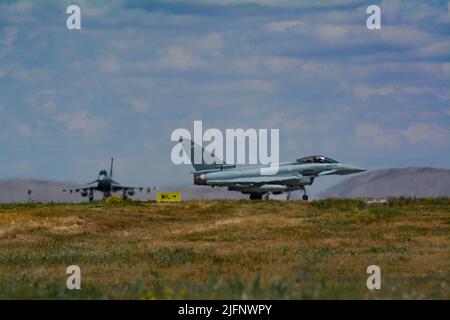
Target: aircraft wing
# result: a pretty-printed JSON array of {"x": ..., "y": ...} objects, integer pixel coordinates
[
  {"x": 120, "y": 188},
  {"x": 76, "y": 190},
  {"x": 272, "y": 179}
]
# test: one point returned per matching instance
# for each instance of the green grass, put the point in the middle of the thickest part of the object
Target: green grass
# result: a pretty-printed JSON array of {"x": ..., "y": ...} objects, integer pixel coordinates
[{"x": 226, "y": 249}]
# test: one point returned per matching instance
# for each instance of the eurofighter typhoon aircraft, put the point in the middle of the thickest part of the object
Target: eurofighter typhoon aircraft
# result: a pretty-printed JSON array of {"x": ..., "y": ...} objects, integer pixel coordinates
[
  {"x": 287, "y": 177},
  {"x": 107, "y": 185}
]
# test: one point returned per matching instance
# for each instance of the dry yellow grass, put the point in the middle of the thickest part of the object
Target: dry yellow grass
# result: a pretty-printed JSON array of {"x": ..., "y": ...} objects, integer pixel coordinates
[{"x": 226, "y": 249}]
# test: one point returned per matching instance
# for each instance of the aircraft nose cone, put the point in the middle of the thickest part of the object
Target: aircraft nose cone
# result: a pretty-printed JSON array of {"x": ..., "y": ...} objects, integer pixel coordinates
[
  {"x": 349, "y": 169},
  {"x": 355, "y": 169}
]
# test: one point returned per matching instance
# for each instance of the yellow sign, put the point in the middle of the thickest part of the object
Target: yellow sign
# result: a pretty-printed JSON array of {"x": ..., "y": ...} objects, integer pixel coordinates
[{"x": 168, "y": 197}]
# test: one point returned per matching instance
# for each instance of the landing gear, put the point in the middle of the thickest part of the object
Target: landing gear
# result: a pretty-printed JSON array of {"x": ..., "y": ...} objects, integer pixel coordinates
[
  {"x": 266, "y": 196},
  {"x": 305, "y": 196},
  {"x": 91, "y": 195},
  {"x": 124, "y": 195},
  {"x": 256, "y": 196}
]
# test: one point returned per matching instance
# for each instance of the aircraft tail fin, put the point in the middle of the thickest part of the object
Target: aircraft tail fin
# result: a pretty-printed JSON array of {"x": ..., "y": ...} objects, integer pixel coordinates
[
  {"x": 111, "y": 169},
  {"x": 211, "y": 163}
]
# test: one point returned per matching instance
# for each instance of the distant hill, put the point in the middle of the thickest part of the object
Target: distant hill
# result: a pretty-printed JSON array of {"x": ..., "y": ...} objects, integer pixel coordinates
[
  {"x": 419, "y": 182},
  {"x": 15, "y": 190}
]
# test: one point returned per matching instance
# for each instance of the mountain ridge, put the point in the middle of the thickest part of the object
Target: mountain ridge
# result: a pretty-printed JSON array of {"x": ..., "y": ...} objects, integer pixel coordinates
[{"x": 393, "y": 182}]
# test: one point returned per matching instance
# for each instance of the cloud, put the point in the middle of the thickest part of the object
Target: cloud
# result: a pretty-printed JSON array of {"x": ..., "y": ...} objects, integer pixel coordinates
[
  {"x": 373, "y": 136},
  {"x": 178, "y": 58},
  {"x": 257, "y": 85},
  {"x": 38, "y": 74},
  {"x": 9, "y": 36},
  {"x": 333, "y": 33},
  {"x": 283, "y": 26},
  {"x": 21, "y": 6},
  {"x": 299, "y": 4},
  {"x": 254, "y": 64},
  {"x": 435, "y": 49},
  {"x": 140, "y": 105},
  {"x": 89, "y": 125},
  {"x": 24, "y": 130},
  {"x": 406, "y": 36},
  {"x": 426, "y": 132},
  {"x": 415, "y": 133},
  {"x": 440, "y": 93},
  {"x": 16, "y": 12},
  {"x": 282, "y": 64},
  {"x": 418, "y": 90},
  {"x": 109, "y": 64},
  {"x": 42, "y": 101},
  {"x": 211, "y": 42},
  {"x": 364, "y": 92}
]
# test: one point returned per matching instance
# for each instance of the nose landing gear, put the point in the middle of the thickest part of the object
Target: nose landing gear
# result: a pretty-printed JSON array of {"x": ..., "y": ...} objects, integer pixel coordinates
[
  {"x": 305, "y": 196},
  {"x": 91, "y": 195},
  {"x": 256, "y": 196}
]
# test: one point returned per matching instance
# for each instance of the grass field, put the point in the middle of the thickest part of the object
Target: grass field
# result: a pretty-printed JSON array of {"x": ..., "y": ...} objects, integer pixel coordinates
[{"x": 226, "y": 249}]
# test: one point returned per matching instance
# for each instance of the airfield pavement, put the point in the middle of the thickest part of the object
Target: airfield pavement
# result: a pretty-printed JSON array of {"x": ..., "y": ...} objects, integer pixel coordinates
[{"x": 226, "y": 249}]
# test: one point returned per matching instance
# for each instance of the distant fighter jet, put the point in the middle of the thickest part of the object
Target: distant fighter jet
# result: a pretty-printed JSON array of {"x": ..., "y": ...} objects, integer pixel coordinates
[
  {"x": 290, "y": 176},
  {"x": 107, "y": 185}
]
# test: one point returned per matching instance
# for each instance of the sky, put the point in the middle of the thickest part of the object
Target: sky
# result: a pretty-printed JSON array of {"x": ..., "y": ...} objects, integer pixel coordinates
[{"x": 137, "y": 70}]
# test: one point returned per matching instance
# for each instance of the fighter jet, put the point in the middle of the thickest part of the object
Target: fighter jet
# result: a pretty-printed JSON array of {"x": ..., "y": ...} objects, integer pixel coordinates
[
  {"x": 107, "y": 185},
  {"x": 287, "y": 177}
]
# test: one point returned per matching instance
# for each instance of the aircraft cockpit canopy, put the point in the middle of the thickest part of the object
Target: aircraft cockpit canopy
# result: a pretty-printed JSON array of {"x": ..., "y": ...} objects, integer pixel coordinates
[
  {"x": 316, "y": 159},
  {"x": 103, "y": 173}
]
